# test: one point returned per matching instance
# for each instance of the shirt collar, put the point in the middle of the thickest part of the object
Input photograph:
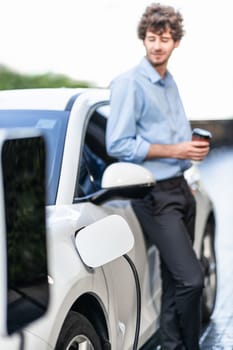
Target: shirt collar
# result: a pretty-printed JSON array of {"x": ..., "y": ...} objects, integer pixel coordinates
[{"x": 150, "y": 72}]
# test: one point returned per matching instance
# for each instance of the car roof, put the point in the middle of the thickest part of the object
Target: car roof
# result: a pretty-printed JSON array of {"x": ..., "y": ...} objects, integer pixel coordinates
[{"x": 47, "y": 99}]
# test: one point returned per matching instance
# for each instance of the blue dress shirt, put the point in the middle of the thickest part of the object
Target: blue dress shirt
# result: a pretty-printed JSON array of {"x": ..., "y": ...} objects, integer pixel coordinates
[{"x": 146, "y": 109}]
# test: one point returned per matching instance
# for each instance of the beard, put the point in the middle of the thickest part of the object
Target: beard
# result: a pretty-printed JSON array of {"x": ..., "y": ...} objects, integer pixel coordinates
[{"x": 157, "y": 62}]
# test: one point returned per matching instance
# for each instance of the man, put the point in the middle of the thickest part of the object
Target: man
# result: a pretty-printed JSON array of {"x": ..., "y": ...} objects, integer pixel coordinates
[{"x": 148, "y": 126}]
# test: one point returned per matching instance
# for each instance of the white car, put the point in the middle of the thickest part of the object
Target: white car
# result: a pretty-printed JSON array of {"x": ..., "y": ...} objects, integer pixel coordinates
[{"x": 93, "y": 306}]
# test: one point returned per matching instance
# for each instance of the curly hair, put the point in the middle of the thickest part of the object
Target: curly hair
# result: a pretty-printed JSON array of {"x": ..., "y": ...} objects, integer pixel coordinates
[{"x": 158, "y": 18}]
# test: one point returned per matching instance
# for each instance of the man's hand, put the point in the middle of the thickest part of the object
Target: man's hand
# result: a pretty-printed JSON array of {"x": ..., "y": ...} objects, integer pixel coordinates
[{"x": 193, "y": 150}]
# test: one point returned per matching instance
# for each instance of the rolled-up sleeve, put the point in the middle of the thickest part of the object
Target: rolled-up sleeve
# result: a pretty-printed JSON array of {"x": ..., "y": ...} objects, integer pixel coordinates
[{"x": 126, "y": 106}]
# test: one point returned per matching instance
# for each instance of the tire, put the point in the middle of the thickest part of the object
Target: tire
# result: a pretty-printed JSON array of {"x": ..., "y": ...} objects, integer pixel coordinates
[
  {"x": 77, "y": 332},
  {"x": 208, "y": 260}
]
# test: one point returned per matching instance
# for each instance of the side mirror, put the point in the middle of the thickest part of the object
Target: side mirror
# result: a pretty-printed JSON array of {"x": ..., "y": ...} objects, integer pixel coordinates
[
  {"x": 103, "y": 241},
  {"x": 122, "y": 180},
  {"x": 125, "y": 174},
  {"x": 24, "y": 291}
]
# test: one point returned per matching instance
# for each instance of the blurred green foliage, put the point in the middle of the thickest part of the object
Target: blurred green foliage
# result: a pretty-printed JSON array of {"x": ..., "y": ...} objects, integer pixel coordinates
[{"x": 10, "y": 79}]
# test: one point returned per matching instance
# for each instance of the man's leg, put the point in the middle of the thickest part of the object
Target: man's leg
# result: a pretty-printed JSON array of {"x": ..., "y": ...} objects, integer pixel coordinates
[
  {"x": 180, "y": 260},
  {"x": 162, "y": 218},
  {"x": 169, "y": 320}
]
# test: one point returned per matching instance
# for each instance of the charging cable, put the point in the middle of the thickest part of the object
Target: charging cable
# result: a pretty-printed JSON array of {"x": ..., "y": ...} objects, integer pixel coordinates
[
  {"x": 138, "y": 297},
  {"x": 22, "y": 340}
]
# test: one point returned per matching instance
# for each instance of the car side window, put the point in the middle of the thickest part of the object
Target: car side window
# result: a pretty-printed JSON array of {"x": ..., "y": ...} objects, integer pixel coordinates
[{"x": 94, "y": 158}]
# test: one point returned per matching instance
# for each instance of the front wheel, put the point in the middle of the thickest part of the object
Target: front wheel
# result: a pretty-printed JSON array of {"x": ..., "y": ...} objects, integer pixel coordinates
[
  {"x": 208, "y": 260},
  {"x": 77, "y": 333}
]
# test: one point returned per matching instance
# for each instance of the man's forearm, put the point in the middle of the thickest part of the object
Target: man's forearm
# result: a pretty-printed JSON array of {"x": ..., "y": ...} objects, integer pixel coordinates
[
  {"x": 161, "y": 151},
  {"x": 194, "y": 150}
]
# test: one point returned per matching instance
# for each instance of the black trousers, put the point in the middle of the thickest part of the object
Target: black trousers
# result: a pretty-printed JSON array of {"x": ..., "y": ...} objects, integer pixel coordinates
[{"x": 167, "y": 217}]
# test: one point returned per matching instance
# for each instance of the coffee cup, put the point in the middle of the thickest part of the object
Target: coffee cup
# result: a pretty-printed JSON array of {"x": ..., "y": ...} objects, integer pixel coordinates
[{"x": 199, "y": 134}]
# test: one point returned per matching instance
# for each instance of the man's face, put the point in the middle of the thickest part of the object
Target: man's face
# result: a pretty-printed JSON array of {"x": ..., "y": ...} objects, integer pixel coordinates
[{"x": 159, "y": 47}]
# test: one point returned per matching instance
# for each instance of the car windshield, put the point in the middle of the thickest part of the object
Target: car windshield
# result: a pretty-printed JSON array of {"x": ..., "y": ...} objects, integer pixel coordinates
[{"x": 53, "y": 126}]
